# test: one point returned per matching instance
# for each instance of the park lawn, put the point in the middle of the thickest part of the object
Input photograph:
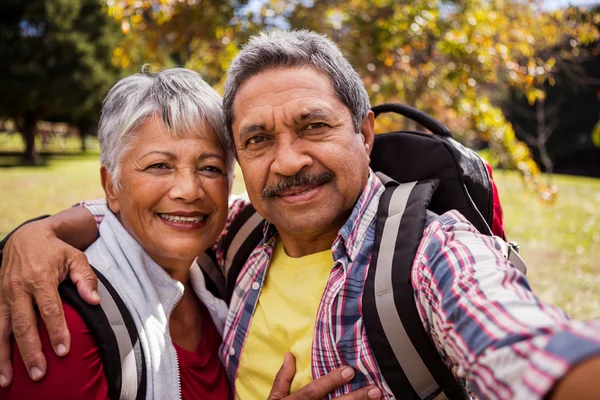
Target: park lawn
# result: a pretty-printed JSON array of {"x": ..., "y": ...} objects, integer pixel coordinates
[
  {"x": 560, "y": 242},
  {"x": 31, "y": 191}
]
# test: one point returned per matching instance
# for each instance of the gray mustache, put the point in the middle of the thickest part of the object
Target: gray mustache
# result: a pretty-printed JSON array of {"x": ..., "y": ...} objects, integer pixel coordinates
[{"x": 300, "y": 179}]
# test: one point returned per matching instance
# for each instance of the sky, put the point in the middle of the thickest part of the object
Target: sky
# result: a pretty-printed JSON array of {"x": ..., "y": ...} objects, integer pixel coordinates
[{"x": 553, "y": 4}]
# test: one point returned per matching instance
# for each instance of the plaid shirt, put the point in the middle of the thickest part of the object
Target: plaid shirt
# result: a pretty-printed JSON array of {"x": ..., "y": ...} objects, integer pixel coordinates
[{"x": 480, "y": 312}]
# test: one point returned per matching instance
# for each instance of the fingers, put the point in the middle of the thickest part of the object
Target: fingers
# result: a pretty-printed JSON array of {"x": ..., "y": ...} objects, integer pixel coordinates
[
  {"x": 26, "y": 334},
  {"x": 321, "y": 387},
  {"x": 51, "y": 309},
  {"x": 367, "y": 393},
  {"x": 5, "y": 348},
  {"x": 82, "y": 275},
  {"x": 283, "y": 379}
]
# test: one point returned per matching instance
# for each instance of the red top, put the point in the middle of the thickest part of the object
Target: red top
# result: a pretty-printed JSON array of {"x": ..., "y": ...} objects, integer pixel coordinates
[
  {"x": 497, "y": 217},
  {"x": 80, "y": 375}
]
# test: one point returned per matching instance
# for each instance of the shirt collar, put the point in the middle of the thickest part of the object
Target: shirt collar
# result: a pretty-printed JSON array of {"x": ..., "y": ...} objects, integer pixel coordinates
[
  {"x": 352, "y": 234},
  {"x": 350, "y": 237}
]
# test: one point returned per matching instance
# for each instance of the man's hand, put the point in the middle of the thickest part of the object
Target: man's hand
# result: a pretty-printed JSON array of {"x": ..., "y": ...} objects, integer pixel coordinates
[
  {"x": 34, "y": 262},
  {"x": 319, "y": 388}
]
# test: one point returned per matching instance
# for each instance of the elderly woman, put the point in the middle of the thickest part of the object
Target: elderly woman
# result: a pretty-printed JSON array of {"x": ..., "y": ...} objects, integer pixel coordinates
[{"x": 166, "y": 177}]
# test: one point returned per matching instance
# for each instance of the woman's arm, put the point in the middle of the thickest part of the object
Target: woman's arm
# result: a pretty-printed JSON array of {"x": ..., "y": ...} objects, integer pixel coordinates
[
  {"x": 79, "y": 375},
  {"x": 35, "y": 259}
]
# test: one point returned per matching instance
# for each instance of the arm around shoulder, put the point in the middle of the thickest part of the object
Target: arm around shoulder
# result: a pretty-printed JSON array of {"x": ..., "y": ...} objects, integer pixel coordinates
[{"x": 34, "y": 261}]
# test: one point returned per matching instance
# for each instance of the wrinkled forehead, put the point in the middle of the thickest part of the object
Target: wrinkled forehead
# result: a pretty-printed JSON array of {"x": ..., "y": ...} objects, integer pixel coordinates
[{"x": 297, "y": 92}]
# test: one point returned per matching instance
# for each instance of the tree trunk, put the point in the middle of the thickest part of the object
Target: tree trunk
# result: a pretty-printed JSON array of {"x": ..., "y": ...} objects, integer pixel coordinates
[
  {"x": 28, "y": 130},
  {"x": 82, "y": 131},
  {"x": 543, "y": 135}
]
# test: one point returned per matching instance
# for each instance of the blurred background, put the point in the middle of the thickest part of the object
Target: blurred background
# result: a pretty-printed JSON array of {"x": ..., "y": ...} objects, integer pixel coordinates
[{"x": 517, "y": 80}]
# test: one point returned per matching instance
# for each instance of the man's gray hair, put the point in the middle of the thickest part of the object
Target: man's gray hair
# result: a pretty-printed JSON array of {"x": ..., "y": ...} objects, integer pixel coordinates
[
  {"x": 286, "y": 49},
  {"x": 179, "y": 96}
]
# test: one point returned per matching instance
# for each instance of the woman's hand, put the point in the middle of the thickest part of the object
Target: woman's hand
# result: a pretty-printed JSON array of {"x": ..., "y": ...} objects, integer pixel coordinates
[
  {"x": 34, "y": 262},
  {"x": 319, "y": 388}
]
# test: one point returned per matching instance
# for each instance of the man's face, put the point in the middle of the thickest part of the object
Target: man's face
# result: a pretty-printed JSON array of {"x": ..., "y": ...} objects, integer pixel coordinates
[{"x": 303, "y": 163}]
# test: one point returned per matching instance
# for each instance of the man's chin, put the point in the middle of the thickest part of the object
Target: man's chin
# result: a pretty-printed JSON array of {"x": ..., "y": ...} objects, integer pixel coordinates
[{"x": 304, "y": 221}]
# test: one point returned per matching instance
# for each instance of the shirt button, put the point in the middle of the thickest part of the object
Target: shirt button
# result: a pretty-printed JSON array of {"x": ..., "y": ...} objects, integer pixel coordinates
[
  {"x": 232, "y": 351},
  {"x": 256, "y": 286}
]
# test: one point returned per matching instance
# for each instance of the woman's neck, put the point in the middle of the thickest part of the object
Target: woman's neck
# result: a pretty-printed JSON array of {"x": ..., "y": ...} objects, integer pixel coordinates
[
  {"x": 185, "y": 323},
  {"x": 178, "y": 269}
]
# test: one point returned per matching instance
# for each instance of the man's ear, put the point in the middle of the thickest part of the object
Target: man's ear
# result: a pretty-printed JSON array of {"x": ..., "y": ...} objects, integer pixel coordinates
[
  {"x": 367, "y": 130},
  {"x": 112, "y": 200}
]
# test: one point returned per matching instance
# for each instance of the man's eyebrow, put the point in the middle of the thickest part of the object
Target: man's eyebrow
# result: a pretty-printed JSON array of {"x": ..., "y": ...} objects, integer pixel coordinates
[
  {"x": 250, "y": 129},
  {"x": 312, "y": 115}
]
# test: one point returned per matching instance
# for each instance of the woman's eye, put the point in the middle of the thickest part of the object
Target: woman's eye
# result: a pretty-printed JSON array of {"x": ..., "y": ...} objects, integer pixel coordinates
[
  {"x": 212, "y": 170},
  {"x": 158, "y": 166}
]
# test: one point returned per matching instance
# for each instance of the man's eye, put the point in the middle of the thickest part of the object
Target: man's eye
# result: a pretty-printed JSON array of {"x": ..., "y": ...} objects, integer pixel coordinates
[
  {"x": 158, "y": 166},
  {"x": 314, "y": 126},
  {"x": 255, "y": 140}
]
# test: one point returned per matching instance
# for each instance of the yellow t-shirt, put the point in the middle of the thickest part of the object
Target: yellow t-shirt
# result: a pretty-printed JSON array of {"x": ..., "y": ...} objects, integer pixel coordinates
[{"x": 284, "y": 321}]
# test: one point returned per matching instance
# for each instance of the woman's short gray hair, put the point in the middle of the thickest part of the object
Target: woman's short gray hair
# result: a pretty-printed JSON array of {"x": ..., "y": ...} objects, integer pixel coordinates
[
  {"x": 179, "y": 96},
  {"x": 286, "y": 49}
]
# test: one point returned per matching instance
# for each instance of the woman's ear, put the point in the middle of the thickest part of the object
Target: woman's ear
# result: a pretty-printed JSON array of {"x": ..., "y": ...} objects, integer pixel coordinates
[{"x": 110, "y": 190}]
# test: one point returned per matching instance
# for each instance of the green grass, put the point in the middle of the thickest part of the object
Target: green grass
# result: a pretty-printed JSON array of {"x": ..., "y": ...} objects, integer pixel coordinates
[
  {"x": 30, "y": 191},
  {"x": 560, "y": 242}
]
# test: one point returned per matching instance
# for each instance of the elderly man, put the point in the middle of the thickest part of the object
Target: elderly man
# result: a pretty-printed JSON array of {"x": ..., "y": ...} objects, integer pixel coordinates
[{"x": 299, "y": 122}]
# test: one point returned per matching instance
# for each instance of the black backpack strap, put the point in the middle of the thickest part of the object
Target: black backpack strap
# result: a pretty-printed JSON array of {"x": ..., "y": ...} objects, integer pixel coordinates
[
  {"x": 116, "y": 336},
  {"x": 405, "y": 353},
  {"x": 214, "y": 278},
  {"x": 244, "y": 234}
]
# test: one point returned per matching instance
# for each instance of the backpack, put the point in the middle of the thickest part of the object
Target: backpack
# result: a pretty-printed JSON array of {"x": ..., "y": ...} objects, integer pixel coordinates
[{"x": 423, "y": 173}]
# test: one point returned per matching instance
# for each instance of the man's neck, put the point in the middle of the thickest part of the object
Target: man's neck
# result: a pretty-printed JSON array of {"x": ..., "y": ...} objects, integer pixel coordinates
[{"x": 303, "y": 245}]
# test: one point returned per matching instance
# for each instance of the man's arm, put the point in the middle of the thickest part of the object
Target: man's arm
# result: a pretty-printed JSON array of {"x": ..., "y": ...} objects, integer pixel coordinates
[
  {"x": 36, "y": 258},
  {"x": 485, "y": 320}
]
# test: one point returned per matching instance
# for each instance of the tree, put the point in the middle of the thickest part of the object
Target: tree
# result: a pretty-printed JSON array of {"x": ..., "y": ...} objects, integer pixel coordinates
[
  {"x": 200, "y": 35},
  {"x": 558, "y": 114},
  {"x": 56, "y": 61}
]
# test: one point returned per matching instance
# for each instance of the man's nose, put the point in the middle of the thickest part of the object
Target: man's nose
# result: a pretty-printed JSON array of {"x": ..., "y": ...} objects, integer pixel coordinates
[
  {"x": 187, "y": 186},
  {"x": 290, "y": 157}
]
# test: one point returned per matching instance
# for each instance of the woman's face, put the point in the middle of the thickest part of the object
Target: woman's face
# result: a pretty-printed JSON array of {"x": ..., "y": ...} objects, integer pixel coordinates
[{"x": 174, "y": 191}]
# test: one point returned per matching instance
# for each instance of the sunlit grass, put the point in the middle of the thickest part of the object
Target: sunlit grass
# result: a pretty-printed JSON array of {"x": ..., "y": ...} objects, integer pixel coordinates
[{"x": 560, "y": 242}]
